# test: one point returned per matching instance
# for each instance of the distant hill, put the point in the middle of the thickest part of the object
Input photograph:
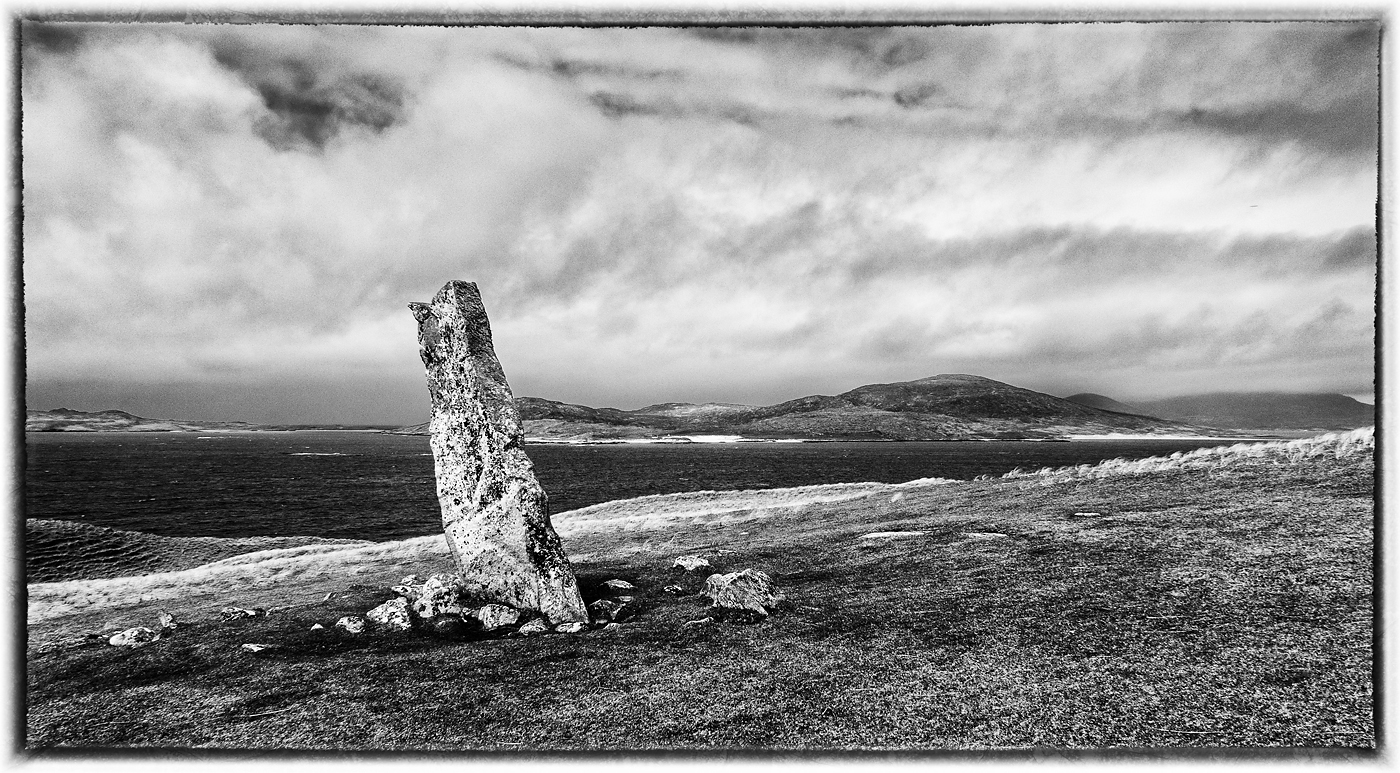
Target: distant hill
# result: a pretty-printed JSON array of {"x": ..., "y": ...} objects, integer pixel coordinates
[
  {"x": 69, "y": 420},
  {"x": 1104, "y": 403},
  {"x": 1265, "y": 410},
  {"x": 943, "y": 407}
]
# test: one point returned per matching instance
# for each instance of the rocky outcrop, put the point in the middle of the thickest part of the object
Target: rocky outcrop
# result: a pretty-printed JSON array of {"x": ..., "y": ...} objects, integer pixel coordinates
[
  {"x": 494, "y": 512},
  {"x": 738, "y": 595}
]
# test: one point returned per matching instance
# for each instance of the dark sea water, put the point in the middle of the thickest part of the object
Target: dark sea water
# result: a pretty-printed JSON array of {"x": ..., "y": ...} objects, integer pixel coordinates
[{"x": 380, "y": 487}]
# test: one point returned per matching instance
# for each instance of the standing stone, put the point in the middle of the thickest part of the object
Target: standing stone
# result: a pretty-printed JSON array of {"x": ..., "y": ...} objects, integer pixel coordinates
[{"x": 494, "y": 512}]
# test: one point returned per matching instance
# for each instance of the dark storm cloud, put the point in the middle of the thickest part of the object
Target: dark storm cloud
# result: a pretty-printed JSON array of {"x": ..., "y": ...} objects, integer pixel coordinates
[
  {"x": 310, "y": 104},
  {"x": 54, "y": 37},
  {"x": 1347, "y": 126}
]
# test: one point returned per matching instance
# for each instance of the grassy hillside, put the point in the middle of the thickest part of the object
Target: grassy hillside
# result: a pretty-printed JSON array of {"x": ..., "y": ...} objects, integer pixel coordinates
[{"x": 1220, "y": 598}]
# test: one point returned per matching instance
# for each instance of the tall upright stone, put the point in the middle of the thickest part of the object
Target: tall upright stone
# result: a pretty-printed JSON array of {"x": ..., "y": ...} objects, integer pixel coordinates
[{"x": 494, "y": 512}]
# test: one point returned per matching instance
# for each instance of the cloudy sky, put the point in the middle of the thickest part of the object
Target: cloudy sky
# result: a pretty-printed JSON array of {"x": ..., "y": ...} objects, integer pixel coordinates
[{"x": 228, "y": 222}]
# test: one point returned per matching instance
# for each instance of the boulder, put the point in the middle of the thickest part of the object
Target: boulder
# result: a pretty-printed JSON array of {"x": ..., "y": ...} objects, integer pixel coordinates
[
  {"x": 619, "y": 585},
  {"x": 133, "y": 637},
  {"x": 238, "y": 613},
  {"x": 351, "y": 624},
  {"x": 496, "y": 616},
  {"x": 570, "y": 627},
  {"x": 440, "y": 595},
  {"x": 534, "y": 627},
  {"x": 690, "y": 563},
  {"x": 604, "y": 611},
  {"x": 392, "y": 615},
  {"x": 494, "y": 512},
  {"x": 748, "y": 591}
]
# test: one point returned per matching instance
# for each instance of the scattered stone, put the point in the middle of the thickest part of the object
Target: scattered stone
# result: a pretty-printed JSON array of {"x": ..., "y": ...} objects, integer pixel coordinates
[
  {"x": 675, "y": 590},
  {"x": 409, "y": 592},
  {"x": 318, "y": 627},
  {"x": 440, "y": 595},
  {"x": 412, "y": 579},
  {"x": 167, "y": 621},
  {"x": 392, "y": 615},
  {"x": 238, "y": 613},
  {"x": 1088, "y": 515},
  {"x": 612, "y": 627},
  {"x": 570, "y": 627},
  {"x": 258, "y": 647},
  {"x": 747, "y": 591},
  {"x": 496, "y": 616},
  {"x": 698, "y": 623},
  {"x": 351, "y": 624},
  {"x": 604, "y": 610},
  {"x": 534, "y": 627},
  {"x": 984, "y": 535},
  {"x": 452, "y": 625},
  {"x": 619, "y": 585},
  {"x": 133, "y": 637},
  {"x": 327, "y": 597},
  {"x": 690, "y": 563},
  {"x": 623, "y": 599},
  {"x": 892, "y": 534},
  {"x": 495, "y": 514}
]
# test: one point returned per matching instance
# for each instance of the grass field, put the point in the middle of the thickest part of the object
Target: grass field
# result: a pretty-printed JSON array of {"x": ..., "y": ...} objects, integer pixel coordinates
[{"x": 1215, "y": 599}]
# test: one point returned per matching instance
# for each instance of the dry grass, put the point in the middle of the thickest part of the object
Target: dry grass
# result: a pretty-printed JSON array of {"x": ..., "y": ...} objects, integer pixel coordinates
[{"x": 1212, "y": 600}]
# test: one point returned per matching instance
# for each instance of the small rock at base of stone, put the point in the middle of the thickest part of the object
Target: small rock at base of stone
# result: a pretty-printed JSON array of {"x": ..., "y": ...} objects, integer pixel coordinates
[
  {"x": 392, "y": 615},
  {"x": 352, "y": 624},
  {"x": 690, "y": 563},
  {"x": 534, "y": 627},
  {"x": 495, "y": 616},
  {"x": 167, "y": 620},
  {"x": 570, "y": 628},
  {"x": 133, "y": 637}
]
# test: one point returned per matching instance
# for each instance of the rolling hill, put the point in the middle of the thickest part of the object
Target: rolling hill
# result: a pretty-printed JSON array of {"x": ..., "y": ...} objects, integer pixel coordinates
[{"x": 943, "y": 407}]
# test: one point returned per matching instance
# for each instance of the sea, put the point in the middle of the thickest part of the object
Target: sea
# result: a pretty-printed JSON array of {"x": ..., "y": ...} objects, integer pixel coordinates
[{"x": 375, "y": 486}]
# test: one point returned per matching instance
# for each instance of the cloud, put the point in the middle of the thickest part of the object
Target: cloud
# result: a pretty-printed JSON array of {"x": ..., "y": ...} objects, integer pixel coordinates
[{"x": 706, "y": 214}]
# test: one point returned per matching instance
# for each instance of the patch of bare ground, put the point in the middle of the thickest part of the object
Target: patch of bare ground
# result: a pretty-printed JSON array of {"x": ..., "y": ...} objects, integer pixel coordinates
[{"x": 1211, "y": 600}]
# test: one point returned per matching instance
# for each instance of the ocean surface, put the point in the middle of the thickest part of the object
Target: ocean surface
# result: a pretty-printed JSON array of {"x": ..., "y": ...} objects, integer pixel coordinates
[{"x": 372, "y": 486}]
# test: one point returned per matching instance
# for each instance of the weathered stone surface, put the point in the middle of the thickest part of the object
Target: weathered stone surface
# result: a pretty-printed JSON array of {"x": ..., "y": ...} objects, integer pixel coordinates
[
  {"x": 238, "y": 613},
  {"x": 749, "y": 590},
  {"x": 691, "y": 563},
  {"x": 167, "y": 621},
  {"x": 570, "y": 627},
  {"x": 440, "y": 595},
  {"x": 392, "y": 615},
  {"x": 603, "y": 610},
  {"x": 133, "y": 637},
  {"x": 496, "y": 616},
  {"x": 534, "y": 627},
  {"x": 352, "y": 624},
  {"x": 494, "y": 512},
  {"x": 619, "y": 585},
  {"x": 257, "y": 647}
]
